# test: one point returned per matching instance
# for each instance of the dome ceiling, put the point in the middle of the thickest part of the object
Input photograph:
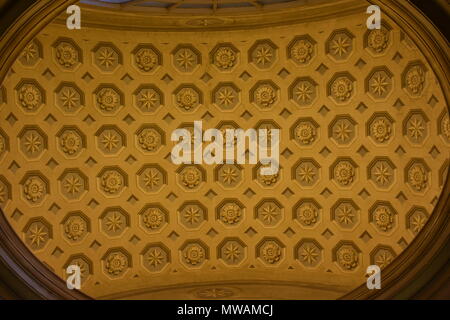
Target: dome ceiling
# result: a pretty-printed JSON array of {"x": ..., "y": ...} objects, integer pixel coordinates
[{"x": 85, "y": 121}]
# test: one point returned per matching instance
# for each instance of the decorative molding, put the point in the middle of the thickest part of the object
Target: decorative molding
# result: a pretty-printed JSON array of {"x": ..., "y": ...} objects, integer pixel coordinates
[{"x": 109, "y": 17}]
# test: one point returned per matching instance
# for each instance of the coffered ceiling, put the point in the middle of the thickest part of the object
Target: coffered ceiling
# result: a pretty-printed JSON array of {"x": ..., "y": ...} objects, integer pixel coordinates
[{"x": 86, "y": 118}]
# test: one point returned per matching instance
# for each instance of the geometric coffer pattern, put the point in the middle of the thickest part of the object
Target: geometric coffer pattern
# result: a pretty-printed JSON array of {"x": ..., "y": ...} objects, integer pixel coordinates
[{"x": 87, "y": 177}]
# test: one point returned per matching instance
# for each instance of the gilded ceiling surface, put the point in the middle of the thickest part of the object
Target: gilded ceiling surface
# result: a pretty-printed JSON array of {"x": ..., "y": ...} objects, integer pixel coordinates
[{"x": 86, "y": 118}]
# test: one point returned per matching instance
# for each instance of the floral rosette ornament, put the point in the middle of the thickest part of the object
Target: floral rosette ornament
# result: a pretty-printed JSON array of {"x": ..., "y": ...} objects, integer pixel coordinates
[
  {"x": 415, "y": 79},
  {"x": 384, "y": 219},
  {"x": 446, "y": 127},
  {"x": 187, "y": 99},
  {"x": 194, "y": 254},
  {"x": 70, "y": 142},
  {"x": 149, "y": 140},
  {"x": 34, "y": 189},
  {"x": 344, "y": 173},
  {"x": 75, "y": 228},
  {"x": 66, "y": 55},
  {"x": 153, "y": 218},
  {"x": 342, "y": 89},
  {"x": 191, "y": 177},
  {"x": 305, "y": 133},
  {"x": 112, "y": 181},
  {"x": 265, "y": 96},
  {"x": 271, "y": 252},
  {"x": 2, "y": 144},
  {"x": 269, "y": 179},
  {"x": 30, "y": 97},
  {"x": 225, "y": 58},
  {"x": 381, "y": 130},
  {"x": 302, "y": 51},
  {"x": 230, "y": 214},
  {"x": 308, "y": 215},
  {"x": 116, "y": 263},
  {"x": 347, "y": 257},
  {"x": 108, "y": 99},
  {"x": 418, "y": 177},
  {"x": 146, "y": 59},
  {"x": 378, "y": 40}
]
